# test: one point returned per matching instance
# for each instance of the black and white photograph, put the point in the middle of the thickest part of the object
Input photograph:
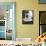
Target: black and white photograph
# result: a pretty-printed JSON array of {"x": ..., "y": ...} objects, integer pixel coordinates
[{"x": 27, "y": 17}]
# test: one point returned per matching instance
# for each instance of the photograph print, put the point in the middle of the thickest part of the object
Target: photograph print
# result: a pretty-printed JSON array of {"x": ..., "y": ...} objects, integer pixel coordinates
[{"x": 27, "y": 17}]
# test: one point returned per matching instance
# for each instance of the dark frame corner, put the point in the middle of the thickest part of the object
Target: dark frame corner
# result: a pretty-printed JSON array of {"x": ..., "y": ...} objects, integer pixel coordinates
[{"x": 41, "y": 2}]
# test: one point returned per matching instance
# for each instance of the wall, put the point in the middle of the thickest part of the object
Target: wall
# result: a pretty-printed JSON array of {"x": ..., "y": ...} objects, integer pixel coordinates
[
  {"x": 32, "y": 30},
  {"x": 28, "y": 31}
]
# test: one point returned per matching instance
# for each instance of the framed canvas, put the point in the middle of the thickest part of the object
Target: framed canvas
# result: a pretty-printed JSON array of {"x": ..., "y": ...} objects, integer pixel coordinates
[
  {"x": 27, "y": 17},
  {"x": 7, "y": 20},
  {"x": 42, "y": 1}
]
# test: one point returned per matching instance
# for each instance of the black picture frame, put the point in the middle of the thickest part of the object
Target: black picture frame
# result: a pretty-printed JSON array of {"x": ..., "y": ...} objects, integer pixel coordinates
[
  {"x": 42, "y": 22},
  {"x": 42, "y": 1},
  {"x": 27, "y": 16}
]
